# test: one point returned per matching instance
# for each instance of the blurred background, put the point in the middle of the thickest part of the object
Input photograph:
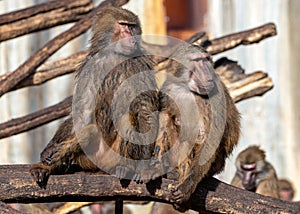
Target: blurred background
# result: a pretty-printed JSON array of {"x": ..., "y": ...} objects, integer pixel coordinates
[{"x": 270, "y": 121}]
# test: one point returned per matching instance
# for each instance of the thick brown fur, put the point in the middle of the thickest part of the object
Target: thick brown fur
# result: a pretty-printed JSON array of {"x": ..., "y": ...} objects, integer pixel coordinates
[
  {"x": 65, "y": 149},
  {"x": 265, "y": 179},
  {"x": 218, "y": 135}
]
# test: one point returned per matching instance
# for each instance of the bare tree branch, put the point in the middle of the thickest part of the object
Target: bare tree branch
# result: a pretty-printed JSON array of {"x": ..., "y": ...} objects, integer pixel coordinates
[
  {"x": 248, "y": 37},
  {"x": 36, "y": 119},
  {"x": 67, "y": 65},
  {"x": 42, "y": 16},
  {"x": 51, "y": 70},
  {"x": 242, "y": 86},
  {"x": 212, "y": 195},
  {"x": 255, "y": 84}
]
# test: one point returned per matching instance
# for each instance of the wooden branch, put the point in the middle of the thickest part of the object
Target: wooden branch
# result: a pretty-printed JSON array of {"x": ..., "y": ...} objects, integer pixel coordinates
[
  {"x": 247, "y": 37},
  {"x": 4, "y": 208},
  {"x": 255, "y": 84},
  {"x": 51, "y": 70},
  {"x": 67, "y": 65},
  {"x": 41, "y": 17},
  {"x": 211, "y": 195},
  {"x": 36, "y": 119},
  {"x": 242, "y": 86},
  {"x": 28, "y": 67}
]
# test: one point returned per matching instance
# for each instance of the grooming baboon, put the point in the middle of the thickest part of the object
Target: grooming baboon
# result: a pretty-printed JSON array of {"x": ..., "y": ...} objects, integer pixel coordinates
[
  {"x": 202, "y": 152},
  {"x": 254, "y": 173},
  {"x": 188, "y": 125}
]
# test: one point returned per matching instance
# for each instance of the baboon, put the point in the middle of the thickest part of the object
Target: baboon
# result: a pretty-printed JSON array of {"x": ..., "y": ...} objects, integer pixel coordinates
[
  {"x": 199, "y": 152},
  {"x": 83, "y": 139},
  {"x": 254, "y": 173},
  {"x": 286, "y": 190}
]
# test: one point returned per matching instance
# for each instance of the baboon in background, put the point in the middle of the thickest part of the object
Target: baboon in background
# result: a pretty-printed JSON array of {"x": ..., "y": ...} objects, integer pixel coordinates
[
  {"x": 191, "y": 114},
  {"x": 286, "y": 190},
  {"x": 254, "y": 173}
]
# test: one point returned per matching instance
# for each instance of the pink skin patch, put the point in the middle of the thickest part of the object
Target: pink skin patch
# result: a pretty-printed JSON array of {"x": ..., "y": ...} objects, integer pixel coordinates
[
  {"x": 285, "y": 195},
  {"x": 249, "y": 175},
  {"x": 124, "y": 35}
]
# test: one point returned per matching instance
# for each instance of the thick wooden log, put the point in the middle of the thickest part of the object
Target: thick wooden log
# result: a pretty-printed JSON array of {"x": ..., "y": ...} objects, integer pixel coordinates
[
  {"x": 28, "y": 67},
  {"x": 255, "y": 84},
  {"x": 211, "y": 195},
  {"x": 36, "y": 119},
  {"x": 42, "y": 16}
]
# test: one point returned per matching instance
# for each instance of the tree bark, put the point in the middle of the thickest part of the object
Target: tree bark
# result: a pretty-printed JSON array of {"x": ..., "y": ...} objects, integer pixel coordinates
[
  {"x": 211, "y": 195},
  {"x": 36, "y": 119},
  {"x": 242, "y": 38},
  {"x": 41, "y": 17},
  {"x": 51, "y": 70}
]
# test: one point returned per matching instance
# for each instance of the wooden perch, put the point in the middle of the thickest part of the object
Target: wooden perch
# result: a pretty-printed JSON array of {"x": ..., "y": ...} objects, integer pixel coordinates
[
  {"x": 241, "y": 86},
  {"x": 28, "y": 67},
  {"x": 67, "y": 65},
  {"x": 248, "y": 37},
  {"x": 255, "y": 84},
  {"x": 49, "y": 71},
  {"x": 36, "y": 119},
  {"x": 212, "y": 195},
  {"x": 41, "y": 17}
]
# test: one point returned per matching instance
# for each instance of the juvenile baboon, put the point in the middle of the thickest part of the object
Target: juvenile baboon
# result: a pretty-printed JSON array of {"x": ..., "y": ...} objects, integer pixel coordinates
[{"x": 254, "y": 173}]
